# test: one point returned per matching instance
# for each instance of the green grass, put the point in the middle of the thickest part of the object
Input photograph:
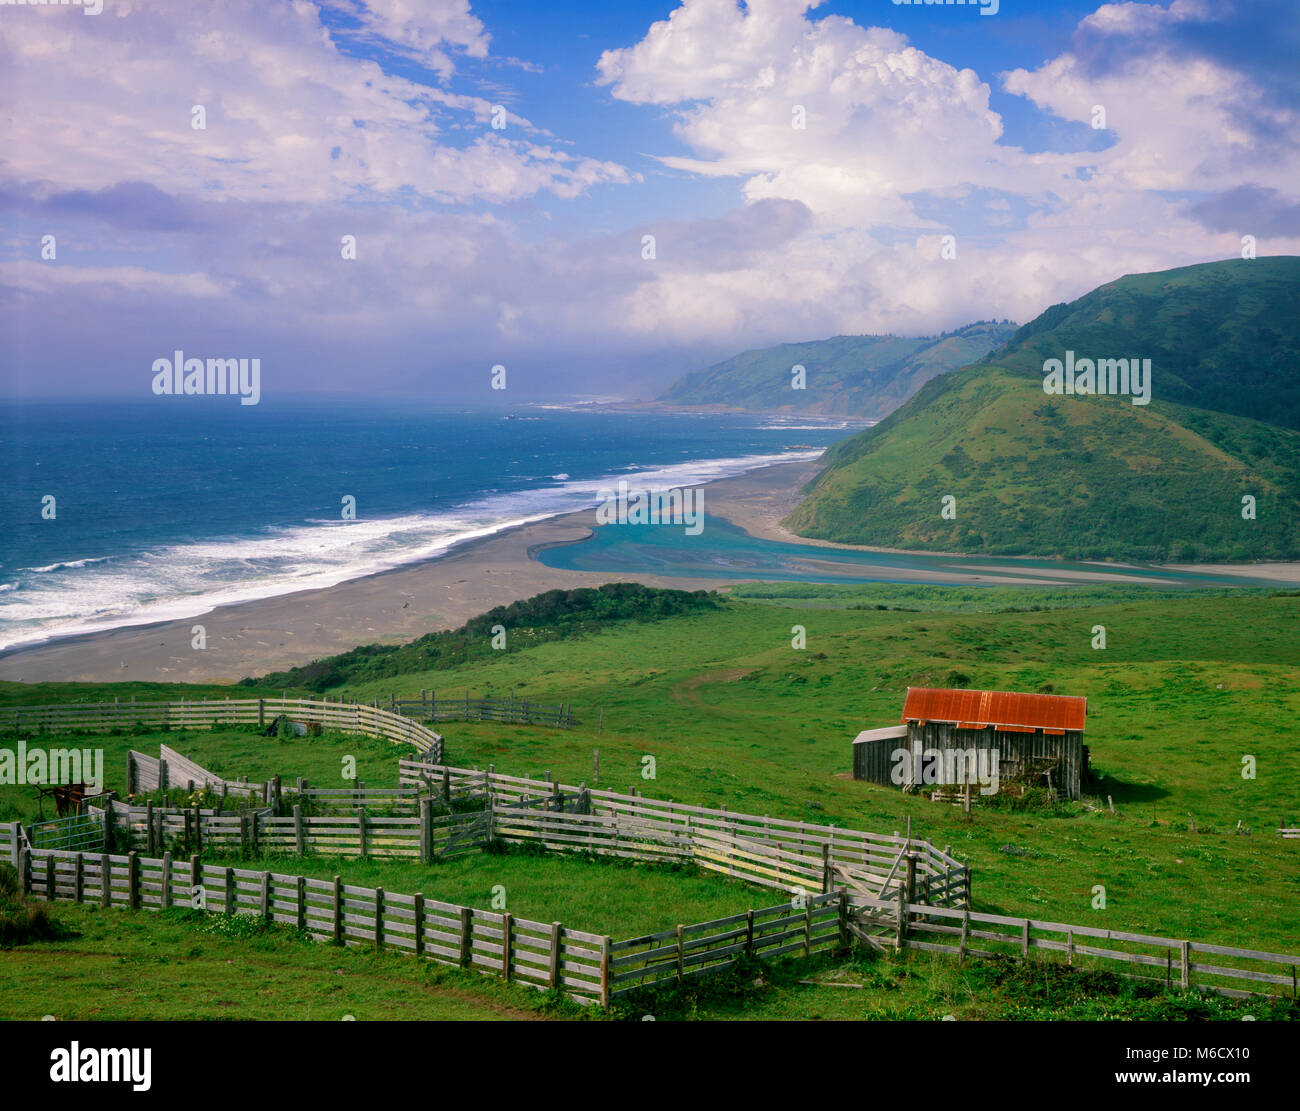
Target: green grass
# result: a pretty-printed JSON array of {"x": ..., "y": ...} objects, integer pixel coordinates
[
  {"x": 596, "y": 895},
  {"x": 1097, "y": 477},
  {"x": 127, "y": 966},
  {"x": 184, "y": 965},
  {"x": 227, "y": 751},
  {"x": 1079, "y": 477},
  {"x": 918, "y": 598},
  {"x": 734, "y": 715}
]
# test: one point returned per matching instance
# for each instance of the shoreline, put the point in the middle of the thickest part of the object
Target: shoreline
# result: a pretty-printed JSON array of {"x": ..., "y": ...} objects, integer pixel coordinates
[{"x": 399, "y": 604}]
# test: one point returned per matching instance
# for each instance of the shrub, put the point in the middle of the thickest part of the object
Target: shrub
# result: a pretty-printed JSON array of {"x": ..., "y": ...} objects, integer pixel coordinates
[{"x": 22, "y": 919}]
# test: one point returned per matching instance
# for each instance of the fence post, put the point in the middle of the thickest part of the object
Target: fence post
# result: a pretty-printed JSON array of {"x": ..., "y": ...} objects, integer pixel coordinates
[
  {"x": 418, "y": 899},
  {"x": 681, "y": 955},
  {"x": 426, "y": 830},
  {"x": 338, "y": 910},
  {"x": 78, "y": 878},
  {"x": 807, "y": 927},
  {"x": 965, "y": 934},
  {"x": 15, "y": 842},
  {"x": 844, "y": 918},
  {"x": 243, "y": 833},
  {"x": 232, "y": 897},
  {"x": 466, "y": 936},
  {"x": 302, "y": 902},
  {"x": 1069, "y": 947},
  {"x": 264, "y": 906},
  {"x": 133, "y": 880},
  {"x": 252, "y": 823},
  {"x": 1186, "y": 965},
  {"x": 379, "y": 919},
  {"x": 105, "y": 880},
  {"x": 196, "y": 879},
  {"x": 166, "y": 893},
  {"x": 261, "y": 712},
  {"x": 361, "y": 831},
  {"x": 299, "y": 834},
  {"x": 148, "y": 828},
  {"x": 198, "y": 830},
  {"x": 556, "y": 957},
  {"x": 605, "y": 943},
  {"x": 109, "y": 832},
  {"x": 826, "y": 869},
  {"x": 507, "y": 922},
  {"x": 50, "y": 889}
]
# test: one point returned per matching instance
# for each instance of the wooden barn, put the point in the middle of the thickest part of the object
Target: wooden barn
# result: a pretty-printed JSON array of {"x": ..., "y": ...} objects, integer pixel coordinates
[{"x": 1038, "y": 738}]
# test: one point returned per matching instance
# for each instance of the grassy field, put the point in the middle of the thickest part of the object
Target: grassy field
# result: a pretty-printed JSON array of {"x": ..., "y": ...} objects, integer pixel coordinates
[
  {"x": 230, "y": 752},
  {"x": 733, "y": 714},
  {"x": 131, "y": 966},
  {"x": 604, "y": 895},
  {"x": 182, "y": 965}
]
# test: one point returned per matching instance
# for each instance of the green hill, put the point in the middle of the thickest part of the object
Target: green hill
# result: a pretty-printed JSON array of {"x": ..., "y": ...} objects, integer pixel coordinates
[
  {"x": 1097, "y": 477},
  {"x": 1222, "y": 335},
  {"x": 867, "y": 376}
]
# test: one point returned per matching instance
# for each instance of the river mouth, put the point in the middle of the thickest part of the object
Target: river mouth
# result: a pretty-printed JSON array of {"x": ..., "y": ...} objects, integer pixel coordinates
[{"x": 724, "y": 551}]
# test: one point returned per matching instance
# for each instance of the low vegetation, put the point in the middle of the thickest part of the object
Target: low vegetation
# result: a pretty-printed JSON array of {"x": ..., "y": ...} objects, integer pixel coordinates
[
  {"x": 554, "y": 615},
  {"x": 735, "y": 715}
]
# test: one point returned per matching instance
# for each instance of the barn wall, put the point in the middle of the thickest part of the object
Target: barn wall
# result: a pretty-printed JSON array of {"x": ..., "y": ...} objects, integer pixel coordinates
[{"x": 873, "y": 760}]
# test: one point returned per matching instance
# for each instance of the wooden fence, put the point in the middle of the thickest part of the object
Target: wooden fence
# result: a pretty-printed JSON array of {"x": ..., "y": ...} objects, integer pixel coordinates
[
  {"x": 545, "y": 955},
  {"x": 1289, "y": 833},
  {"x": 677, "y": 955},
  {"x": 772, "y": 852},
  {"x": 922, "y": 926},
  {"x": 171, "y": 769},
  {"x": 512, "y": 710},
  {"x": 355, "y": 797},
  {"x": 550, "y": 956},
  {"x": 426, "y": 836},
  {"x": 350, "y": 717}
]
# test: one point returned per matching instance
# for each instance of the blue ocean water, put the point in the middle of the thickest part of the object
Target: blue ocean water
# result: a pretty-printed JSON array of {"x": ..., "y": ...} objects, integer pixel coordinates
[{"x": 169, "y": 506}]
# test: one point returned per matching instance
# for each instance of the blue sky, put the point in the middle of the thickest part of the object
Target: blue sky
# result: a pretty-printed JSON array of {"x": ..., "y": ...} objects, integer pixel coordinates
[{"x": 523, "y": 246}]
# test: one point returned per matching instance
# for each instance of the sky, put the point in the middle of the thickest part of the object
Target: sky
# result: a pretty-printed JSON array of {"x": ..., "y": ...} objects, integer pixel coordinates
[{"x": 499, "y": 167}]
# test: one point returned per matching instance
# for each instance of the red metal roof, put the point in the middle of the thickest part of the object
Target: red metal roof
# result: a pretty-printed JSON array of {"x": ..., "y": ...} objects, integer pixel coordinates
[{"x": 1005, "y": 709}]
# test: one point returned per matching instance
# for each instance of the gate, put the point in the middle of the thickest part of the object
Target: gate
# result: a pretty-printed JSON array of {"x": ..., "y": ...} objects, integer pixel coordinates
[{"x": 80, "y": 832}]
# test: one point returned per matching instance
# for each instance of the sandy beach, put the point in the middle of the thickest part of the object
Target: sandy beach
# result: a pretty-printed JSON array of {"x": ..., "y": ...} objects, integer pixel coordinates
[
  {"x": 255, "y": 637},
  {"x": 269, "y": 634}
]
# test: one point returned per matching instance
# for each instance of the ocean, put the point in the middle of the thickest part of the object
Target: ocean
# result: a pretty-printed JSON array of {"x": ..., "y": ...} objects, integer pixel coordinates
[{"x": 165, "y": 508}]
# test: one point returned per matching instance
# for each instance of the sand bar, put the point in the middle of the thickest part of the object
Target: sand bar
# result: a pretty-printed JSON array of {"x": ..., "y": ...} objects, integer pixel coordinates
[{"x": 254, "y": 637}]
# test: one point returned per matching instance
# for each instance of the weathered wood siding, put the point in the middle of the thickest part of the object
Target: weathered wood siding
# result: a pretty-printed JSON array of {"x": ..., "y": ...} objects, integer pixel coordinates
[{"x": 873, "y": 761}]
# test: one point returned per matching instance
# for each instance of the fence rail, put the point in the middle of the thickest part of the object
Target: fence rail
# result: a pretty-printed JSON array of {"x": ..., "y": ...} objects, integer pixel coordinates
[
  {"x": 352, "y": 717},
  {"x": 544, "y": 955},
  {"x": 774, "y": 852},
  {"x": 951, "y": 931},
  {"x": 515, "y": 711},
  {"x": 679, "y": 954},
  {"x": 426, "y": 836},
  {"x": 171, "y": 769}
]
